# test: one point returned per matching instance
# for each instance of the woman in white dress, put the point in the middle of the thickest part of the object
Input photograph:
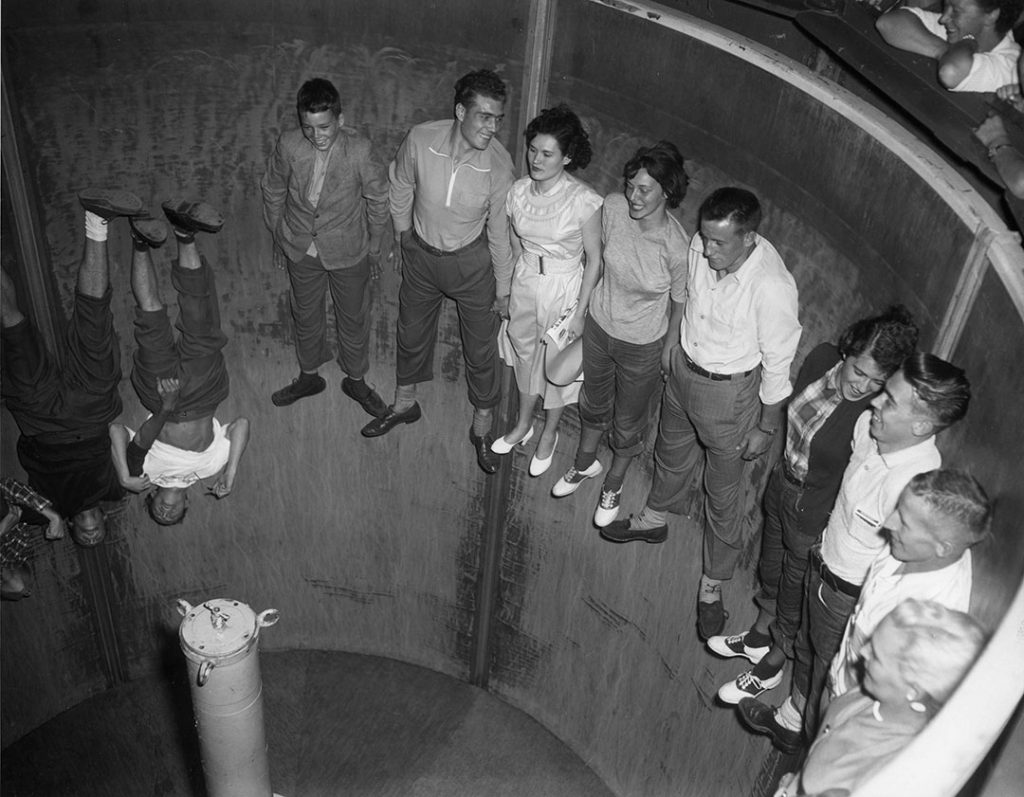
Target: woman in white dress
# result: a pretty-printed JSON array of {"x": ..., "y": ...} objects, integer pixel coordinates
[{"x": 556, "y": 224}]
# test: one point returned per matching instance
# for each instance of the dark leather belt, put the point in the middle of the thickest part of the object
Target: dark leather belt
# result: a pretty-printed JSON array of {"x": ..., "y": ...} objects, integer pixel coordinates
[
  {"x": 713, "y": 377},
  {"x": 830, "y": 578},
  {"x": 791, "y": 478},
  {"x": 433, "y": 250}
]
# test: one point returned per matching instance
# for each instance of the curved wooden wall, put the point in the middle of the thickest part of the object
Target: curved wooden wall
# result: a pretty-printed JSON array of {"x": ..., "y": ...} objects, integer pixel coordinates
[{"x": 382, "y": 546}]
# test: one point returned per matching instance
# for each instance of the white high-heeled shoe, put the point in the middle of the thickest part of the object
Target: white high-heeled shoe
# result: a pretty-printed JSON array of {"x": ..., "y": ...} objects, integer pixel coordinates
[
  {"x": 502, "y": 446},
  {"x": 537, "y": 465}
]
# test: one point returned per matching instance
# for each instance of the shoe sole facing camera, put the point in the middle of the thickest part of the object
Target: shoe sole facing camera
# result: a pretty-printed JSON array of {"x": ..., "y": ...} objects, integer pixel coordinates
[
  {"x": 110, "y": 203},
  {"x": 193, "y": 216}
]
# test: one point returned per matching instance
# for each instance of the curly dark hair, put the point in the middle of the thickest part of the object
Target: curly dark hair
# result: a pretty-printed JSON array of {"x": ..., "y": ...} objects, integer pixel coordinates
[
  {"x": 317, "y": 95},
  {"x": 888, "y": 338},
  {"x": 562, "y": 124},
  {"x": 482, "y": 83},
  {"x": 665, "y": 165}
]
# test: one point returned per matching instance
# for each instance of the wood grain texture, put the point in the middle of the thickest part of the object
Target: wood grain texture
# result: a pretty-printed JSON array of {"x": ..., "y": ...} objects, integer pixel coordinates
[{"x": 374, "y": 546}]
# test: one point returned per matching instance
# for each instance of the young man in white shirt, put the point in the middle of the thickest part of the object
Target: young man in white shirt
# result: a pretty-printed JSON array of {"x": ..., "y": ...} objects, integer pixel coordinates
[
  {"x": 891, "y": 444},
  {"x": 727, "y": 387}
]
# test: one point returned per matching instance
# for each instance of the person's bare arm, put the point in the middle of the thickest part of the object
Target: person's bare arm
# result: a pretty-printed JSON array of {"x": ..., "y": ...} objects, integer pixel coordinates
[
  {"x": 238, "y": 437},
  {"x": 905, "y": 31}
]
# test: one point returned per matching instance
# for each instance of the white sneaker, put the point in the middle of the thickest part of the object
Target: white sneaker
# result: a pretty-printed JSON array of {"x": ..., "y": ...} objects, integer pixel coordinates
[
  {"x": 573, "y": 478},
  {"x": 747, "y": 685},
  {"x": 729, "y": 646},
  {"x": 607, "y": 507}
]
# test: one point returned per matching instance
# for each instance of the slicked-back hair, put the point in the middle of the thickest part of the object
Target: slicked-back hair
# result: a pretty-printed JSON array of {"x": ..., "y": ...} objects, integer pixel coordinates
[
  {"x": 664, "y": 164},
  {"x": 937, "y": 646},
  {"x": 735, "y": 205},
  {"x": 1008, "y": 10},
  {"x": 958, "y": 496},
  {"x": 888, "y": 338},
  {"x": 562, "y": 124},
  {"x": 150, "y": 508},
  {"x": 481, "y": 83},
  {"x": 317, "y": 95},
  {"x": 941, "y": 387}
]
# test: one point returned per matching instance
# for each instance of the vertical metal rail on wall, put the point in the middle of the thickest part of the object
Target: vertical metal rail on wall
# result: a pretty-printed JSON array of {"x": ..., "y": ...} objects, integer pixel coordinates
[
  {"x": 26, "y": 229},
  {"x": 537, "y": 64},
  {"x": 34, "y": 269},
  {"x": 965, "y": 294}
]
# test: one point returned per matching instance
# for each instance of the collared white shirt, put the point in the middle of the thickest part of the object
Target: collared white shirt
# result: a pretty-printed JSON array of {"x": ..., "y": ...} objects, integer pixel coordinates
[
  {"x": 746, "y": 319},
  {"x": 885, "y": 587},
  {"x": 871, "y": 487}
]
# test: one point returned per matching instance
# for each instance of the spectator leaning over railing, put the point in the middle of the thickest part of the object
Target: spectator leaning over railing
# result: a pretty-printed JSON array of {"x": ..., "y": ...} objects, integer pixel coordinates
[{"x": 970, "y": 40}]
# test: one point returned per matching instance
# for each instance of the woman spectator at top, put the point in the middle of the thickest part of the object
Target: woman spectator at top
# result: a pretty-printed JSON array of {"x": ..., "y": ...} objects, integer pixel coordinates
[
  {"x": 556, "y": 240},
  {"x": 970, "y": 40},
  {"x": 630, "y": 329},
  {"x": 911, "y": 665}
]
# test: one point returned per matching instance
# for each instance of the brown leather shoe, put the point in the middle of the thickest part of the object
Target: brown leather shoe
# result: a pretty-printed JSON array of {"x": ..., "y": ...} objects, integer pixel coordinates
[
  {"x": 485, "y": 458},
  {"x": 391, "y": 419}
]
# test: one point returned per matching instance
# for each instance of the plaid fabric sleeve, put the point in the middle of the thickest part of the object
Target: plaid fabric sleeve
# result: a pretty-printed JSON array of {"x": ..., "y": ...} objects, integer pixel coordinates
[{"x": 21, "y": 494}]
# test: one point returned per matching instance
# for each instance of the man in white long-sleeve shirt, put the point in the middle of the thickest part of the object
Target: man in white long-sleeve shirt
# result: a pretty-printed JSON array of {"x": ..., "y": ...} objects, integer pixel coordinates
[{"x": 727, "y": 388}]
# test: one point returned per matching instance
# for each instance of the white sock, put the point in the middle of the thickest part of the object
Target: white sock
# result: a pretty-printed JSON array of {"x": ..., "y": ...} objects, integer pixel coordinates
[
  {"x": 649, "y": 519},
  {"x": 788, "y": 717},
  {"x": 95, "y": 226}
]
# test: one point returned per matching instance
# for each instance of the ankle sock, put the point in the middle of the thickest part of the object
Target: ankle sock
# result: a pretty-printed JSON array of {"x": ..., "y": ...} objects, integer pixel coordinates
[
  {"x": 788, "y": 717},
  {"x": 482, "y": 421},
  {"x": 584, "y": 459},
  {"x": 95, "y": 226},
  {"x": 405, "y": 397},
  {"x": 612, "y": 484},
  {"x": 648, "y": 519},
  {"x": 755, "y": 639},
  {"x": 764, "y": 670},
  {"x": 710, "y": 590},
  {"x": 359, "y": 387}
]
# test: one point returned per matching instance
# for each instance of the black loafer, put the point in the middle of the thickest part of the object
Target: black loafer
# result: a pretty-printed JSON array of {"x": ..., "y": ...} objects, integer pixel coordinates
[
  {"x": 711, "y": 619},
  {"x": 305, "y": 385},
  {"x": 192, "y": 216},
  {"x": 147, "y": 230},
  {"x": 390, "y": 419},
  {"x": 760, "y": 718},
  {"x": 369, "y": 401},
  {"x": 110, "y": 203},
  {"x": 485, "y": 458},
  {"x": 620, "y": 531}
]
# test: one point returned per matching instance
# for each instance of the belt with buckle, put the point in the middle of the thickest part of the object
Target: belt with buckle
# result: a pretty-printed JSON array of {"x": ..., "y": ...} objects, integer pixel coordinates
[
  {"x": 712, "y": 376},
  {"x": 433, "y": 250},
  {"x": 830, "y": 578},
  {"x": 791, "y": 478}
]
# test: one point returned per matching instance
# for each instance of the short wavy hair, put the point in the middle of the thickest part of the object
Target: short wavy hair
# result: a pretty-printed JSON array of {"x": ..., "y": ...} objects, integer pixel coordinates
[
  {"x": 665, "y": 164},
  {"x": 735, "y": 205},
  {"x": 562, "y": 124},
  {"x": 959, "y": 496},
  {"x": 939, "y": 645},
  {"x": 317, "y": 95},
  {"x": 941, "y": 388},
  {"x": 481, "y": 83},
  {"x": 888, "y": 338}
]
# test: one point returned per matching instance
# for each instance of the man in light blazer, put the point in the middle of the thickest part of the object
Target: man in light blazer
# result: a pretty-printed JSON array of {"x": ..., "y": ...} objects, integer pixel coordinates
[{"x": 325, "y": 201}]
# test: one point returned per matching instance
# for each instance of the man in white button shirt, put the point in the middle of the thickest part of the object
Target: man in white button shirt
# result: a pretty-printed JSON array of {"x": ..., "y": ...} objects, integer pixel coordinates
[
  {"x": 892, "y": 443},
  {"x": 727, "y": 388}
]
